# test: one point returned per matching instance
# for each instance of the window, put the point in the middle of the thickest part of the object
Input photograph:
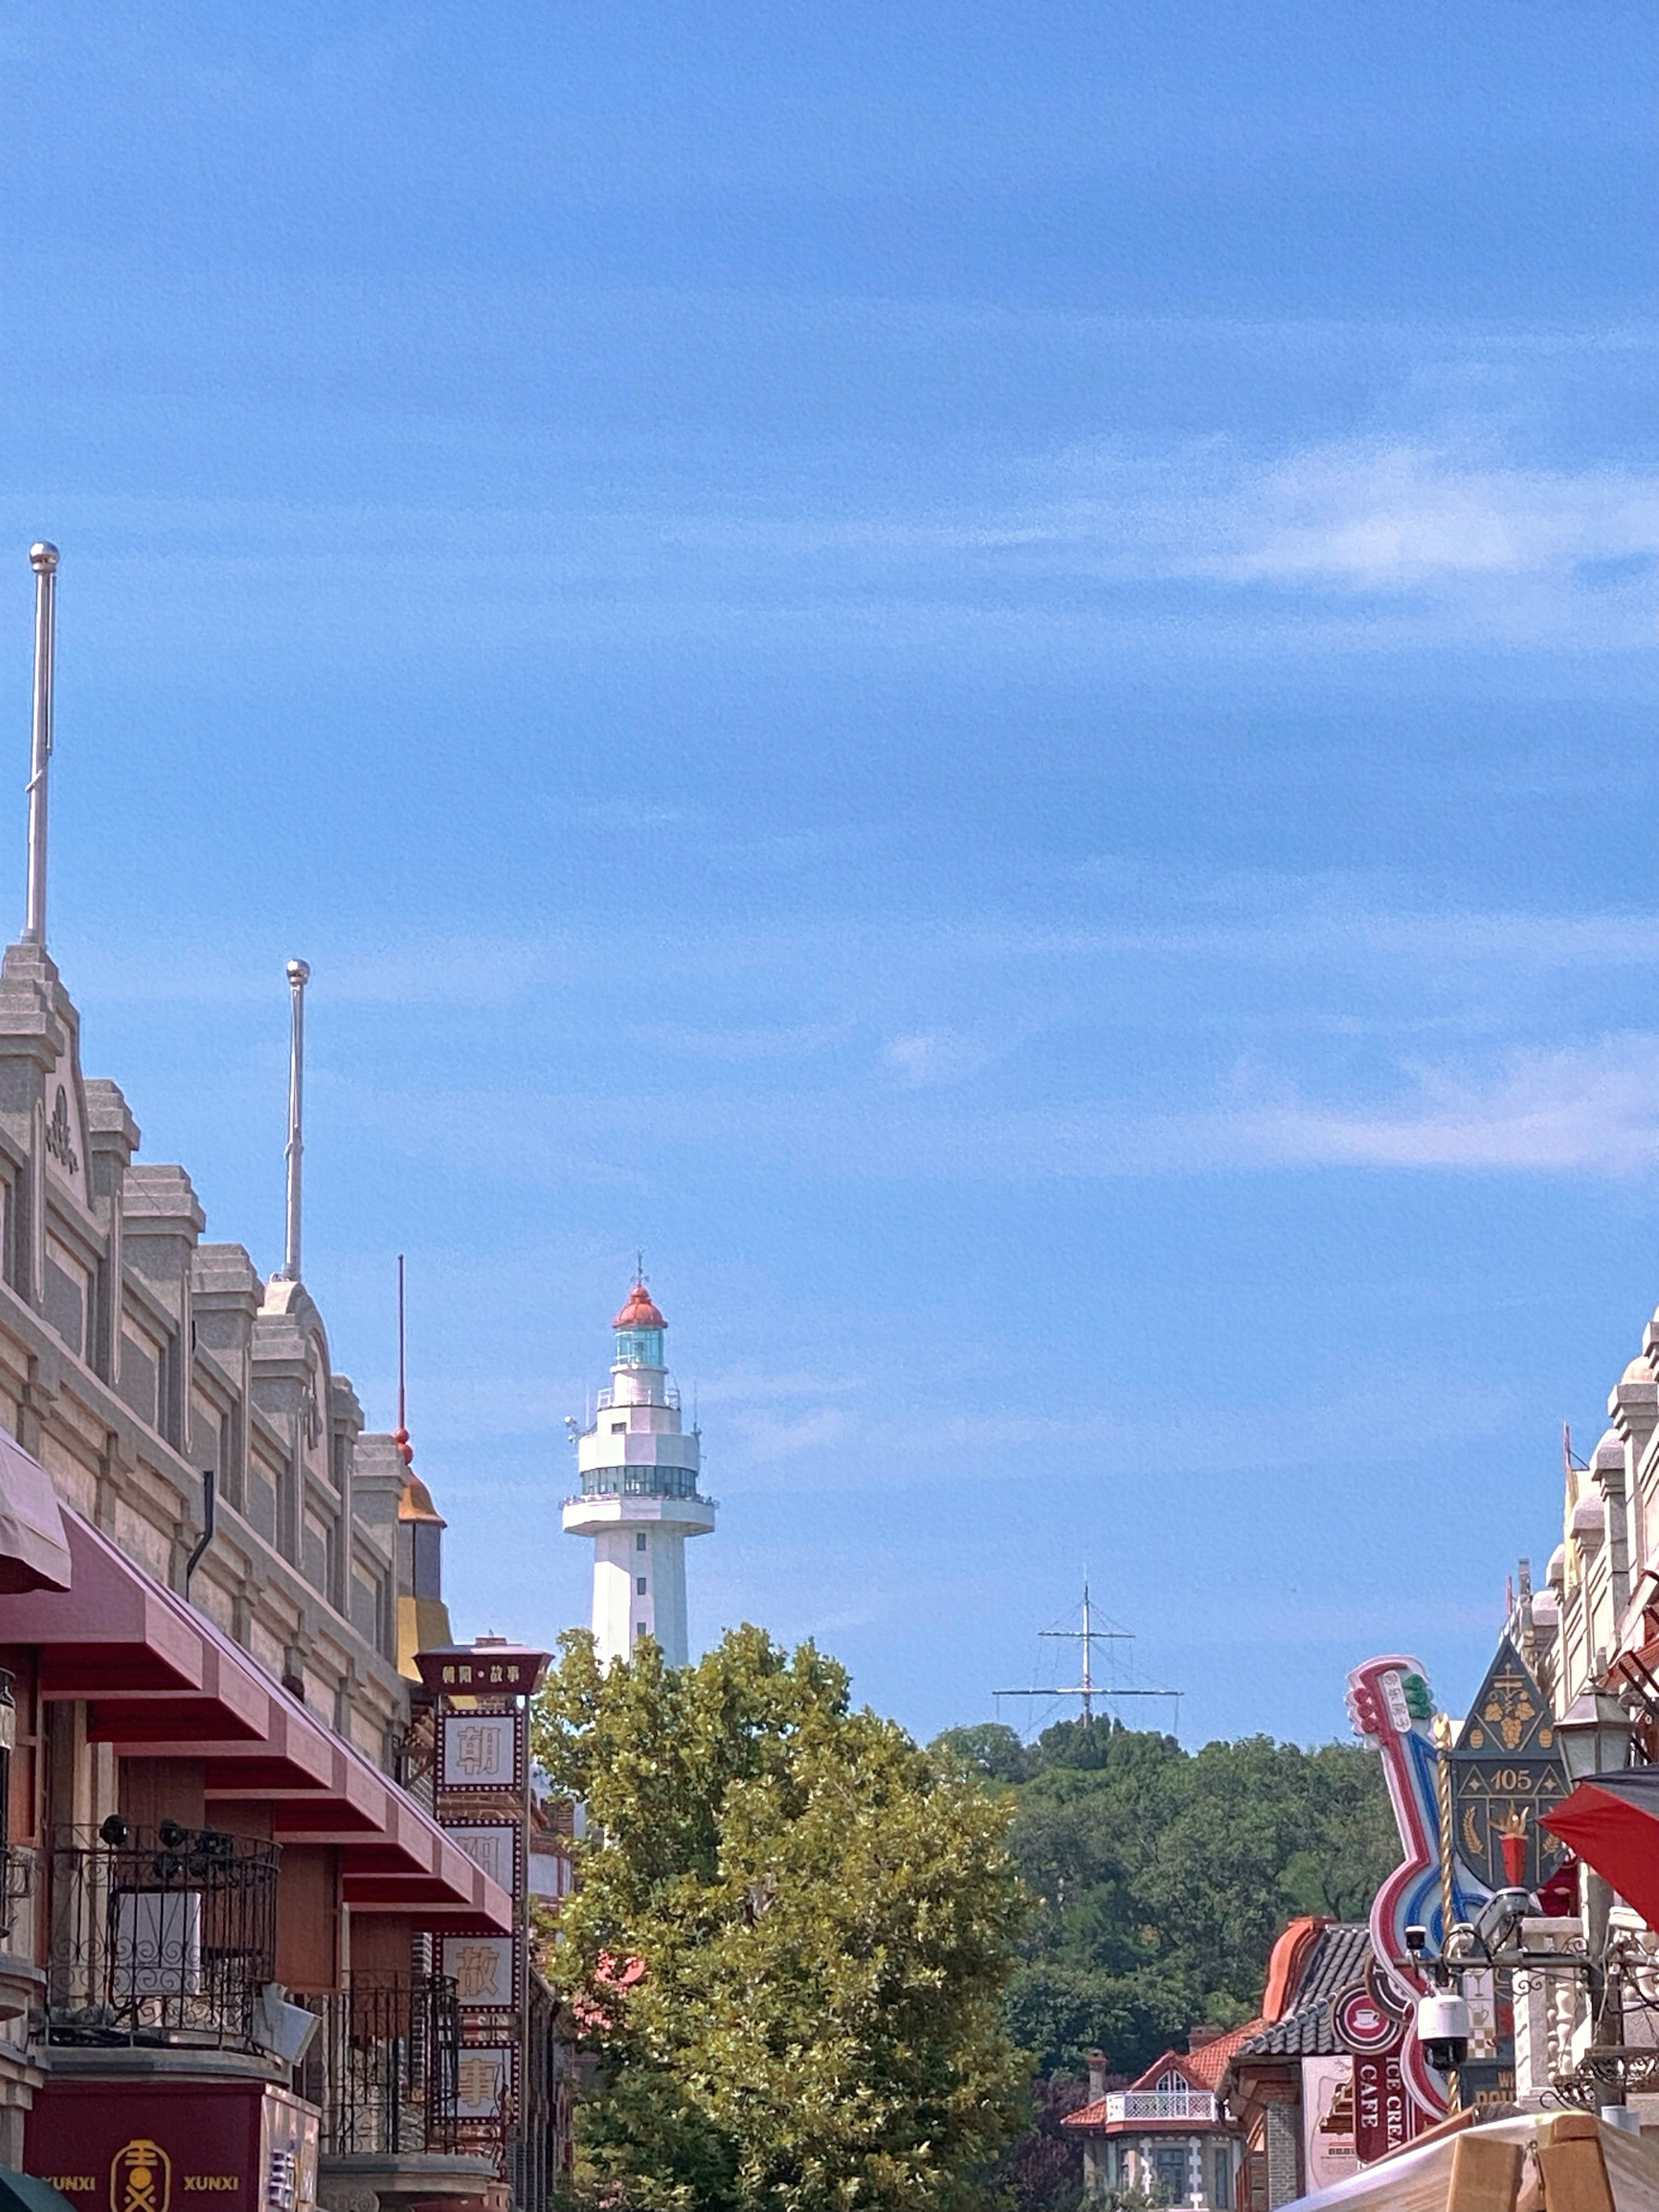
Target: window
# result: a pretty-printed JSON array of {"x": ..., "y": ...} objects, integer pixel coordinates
[
  {"x": 1224, "y": 2191},
  {"x": 639, "y": 1481},
  {"x": 1169, "y": 2162},
  {"x": 639, "y": 1629},
  {"x": 639, "y": 1542},
  {"x": 641, "y": 1584},
  {"x": 618, "y": 1428}
]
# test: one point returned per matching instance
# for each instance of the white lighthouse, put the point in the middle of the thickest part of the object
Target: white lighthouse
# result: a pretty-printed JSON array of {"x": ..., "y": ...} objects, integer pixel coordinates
[{"x": 638, "y": 1494}]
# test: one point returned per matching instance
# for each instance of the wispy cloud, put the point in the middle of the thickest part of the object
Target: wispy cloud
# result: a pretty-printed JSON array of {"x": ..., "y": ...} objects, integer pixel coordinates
[
  {"x": 918, "y": 1440},
  {"x": 1436, "y": 1039},
  {"x": 1442, "y": 530},
  {"x": 1588, "y": 1110},
  {"x": 1556, "y": 555},
  {"x": 1581, "y": 1109},
  {"x": 934, "y": 1056},
  {"x": 1438, "y": 531},
  {"x": 1408, "y": 517}
]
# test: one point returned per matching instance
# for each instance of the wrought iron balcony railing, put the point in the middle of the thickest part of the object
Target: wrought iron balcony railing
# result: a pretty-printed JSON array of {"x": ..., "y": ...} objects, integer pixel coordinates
[
  {"x": 384, "y": 2067},
  {"x": 159, "y": 1936}
]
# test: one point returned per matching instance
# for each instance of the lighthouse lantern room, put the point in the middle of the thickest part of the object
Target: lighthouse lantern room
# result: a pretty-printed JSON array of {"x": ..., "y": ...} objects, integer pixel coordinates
[{"x": 638, "y": 1498}]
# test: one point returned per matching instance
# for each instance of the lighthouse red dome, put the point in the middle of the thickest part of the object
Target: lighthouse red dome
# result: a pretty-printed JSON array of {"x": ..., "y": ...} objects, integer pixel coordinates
[{"x": 638, "y": 1313}]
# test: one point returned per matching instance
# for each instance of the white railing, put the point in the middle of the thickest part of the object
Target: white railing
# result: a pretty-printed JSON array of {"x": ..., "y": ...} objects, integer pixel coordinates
[{"x": 1161, "y": 2105}]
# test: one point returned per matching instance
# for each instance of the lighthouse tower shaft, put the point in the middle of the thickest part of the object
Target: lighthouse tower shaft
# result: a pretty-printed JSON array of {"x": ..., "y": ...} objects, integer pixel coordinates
[{"x": 638, "y": 1498}]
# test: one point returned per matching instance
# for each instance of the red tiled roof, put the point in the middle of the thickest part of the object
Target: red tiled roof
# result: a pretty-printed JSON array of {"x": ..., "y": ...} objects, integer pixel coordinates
[
  {"x": 1089, "y": 2115},
  {"x": 1202, "y": 2068},
  {"x": 1209, "y": 2062}
]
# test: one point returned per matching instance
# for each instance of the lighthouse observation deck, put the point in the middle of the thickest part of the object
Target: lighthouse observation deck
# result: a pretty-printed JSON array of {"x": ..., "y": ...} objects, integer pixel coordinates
[{"x": 640, "y": 1482}]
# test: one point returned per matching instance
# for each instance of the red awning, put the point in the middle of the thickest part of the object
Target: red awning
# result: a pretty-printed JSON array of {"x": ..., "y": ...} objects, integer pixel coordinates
[
  {"x": 162, "y": 1680},
  {"x": 1613, "y": 1825}
]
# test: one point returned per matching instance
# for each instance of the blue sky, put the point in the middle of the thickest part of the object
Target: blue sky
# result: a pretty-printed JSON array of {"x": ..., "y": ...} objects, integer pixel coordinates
[{"x": 985, "y": 672}]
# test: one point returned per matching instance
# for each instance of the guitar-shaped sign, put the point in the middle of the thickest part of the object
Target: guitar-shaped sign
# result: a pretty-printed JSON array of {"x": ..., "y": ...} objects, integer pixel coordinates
[{"x": 1393, "y": 1712}]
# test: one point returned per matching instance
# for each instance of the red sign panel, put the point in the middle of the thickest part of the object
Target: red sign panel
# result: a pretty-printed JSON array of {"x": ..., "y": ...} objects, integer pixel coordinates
[
  {"x": 1383, "y": 2115},
  {"x": 118, "y": 2147},
  {"x": 1364, "y": 2025}
]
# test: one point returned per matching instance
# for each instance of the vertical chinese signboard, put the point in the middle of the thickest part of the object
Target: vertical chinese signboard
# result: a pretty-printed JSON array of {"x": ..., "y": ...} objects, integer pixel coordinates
[
  {"x": 483, "y": 1751},
  {"x": 482, "y": 1786}
]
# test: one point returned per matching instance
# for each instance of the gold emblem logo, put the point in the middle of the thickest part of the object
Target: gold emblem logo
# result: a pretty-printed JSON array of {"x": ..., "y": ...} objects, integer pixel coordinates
[
  {"x": 141, "y": 2178},
  {"x": 1509, "y": 1708}
]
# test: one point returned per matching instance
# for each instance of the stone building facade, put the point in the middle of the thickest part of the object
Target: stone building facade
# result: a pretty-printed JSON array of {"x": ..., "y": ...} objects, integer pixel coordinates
[
  {"x": 1591, "y": 1634},
  {"x": 219, "y": 1841}
]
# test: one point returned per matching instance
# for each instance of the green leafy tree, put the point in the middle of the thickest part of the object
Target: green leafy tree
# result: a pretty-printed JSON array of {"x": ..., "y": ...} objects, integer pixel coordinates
[
  {"x": 1162, "y": 1877},
  {"x": 990, "y": 1749},
  {"x": 790, "y": 1945}
]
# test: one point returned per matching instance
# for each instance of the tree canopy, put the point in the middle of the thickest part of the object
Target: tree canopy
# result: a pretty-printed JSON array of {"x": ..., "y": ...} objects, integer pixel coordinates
[
  {"x": 791, "y": 1943},
  {"x": 1163, "y": 1876}
]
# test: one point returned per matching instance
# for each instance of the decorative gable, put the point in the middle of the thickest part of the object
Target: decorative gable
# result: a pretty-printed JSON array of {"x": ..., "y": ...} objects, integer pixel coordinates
[{"x": 1169, "y": 2076}]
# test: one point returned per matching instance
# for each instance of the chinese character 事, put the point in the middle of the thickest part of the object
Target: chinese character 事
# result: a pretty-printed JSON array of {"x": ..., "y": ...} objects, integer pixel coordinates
[{"x": 481, "y": 2081}]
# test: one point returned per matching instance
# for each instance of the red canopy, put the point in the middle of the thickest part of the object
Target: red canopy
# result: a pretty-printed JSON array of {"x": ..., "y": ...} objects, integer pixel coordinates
[{"x": 1613, "y": 1825}]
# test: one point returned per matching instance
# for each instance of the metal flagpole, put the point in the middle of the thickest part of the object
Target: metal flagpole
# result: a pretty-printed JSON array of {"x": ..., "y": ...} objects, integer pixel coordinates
[
  {"x": 43, "y": 560},
  {"x": 298, "y": 976}
]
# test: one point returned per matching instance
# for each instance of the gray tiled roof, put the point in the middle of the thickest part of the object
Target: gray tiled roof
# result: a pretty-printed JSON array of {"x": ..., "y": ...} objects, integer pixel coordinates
[{"x": 1339, "y": 1957}]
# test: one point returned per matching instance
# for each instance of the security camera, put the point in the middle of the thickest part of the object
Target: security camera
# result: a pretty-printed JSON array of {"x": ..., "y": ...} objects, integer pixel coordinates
[
  {"x": 1415, "y": 1940},
  {"x": 1442, "y": 2029},
  {"x": 1498, "y": 1922}
]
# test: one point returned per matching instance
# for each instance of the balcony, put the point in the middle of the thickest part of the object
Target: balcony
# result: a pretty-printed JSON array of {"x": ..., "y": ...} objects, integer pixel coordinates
[
  {"x": 1161, "y": 2105},
  {"x": 385, "y": 2067},
  {"x": 165, "y": 1937}
]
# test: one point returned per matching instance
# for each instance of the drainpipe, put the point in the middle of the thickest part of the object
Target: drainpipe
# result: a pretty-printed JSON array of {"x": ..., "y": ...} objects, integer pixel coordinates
[{"x": 210, "y": 1486}]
